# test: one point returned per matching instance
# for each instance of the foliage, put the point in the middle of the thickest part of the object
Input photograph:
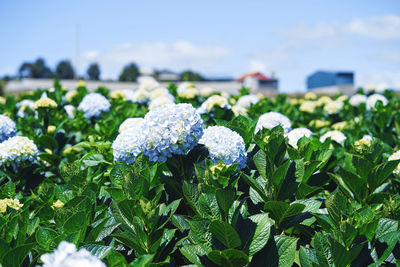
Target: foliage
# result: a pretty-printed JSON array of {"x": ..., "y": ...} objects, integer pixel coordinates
[
  {"x": 320, "y": 204},
  {"x": 129, "y": 73}
]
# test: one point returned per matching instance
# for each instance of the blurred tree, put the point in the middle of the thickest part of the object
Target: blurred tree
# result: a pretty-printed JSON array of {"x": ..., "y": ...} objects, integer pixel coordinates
[
  {"x": 129, "y": 73},
  {"x": 38, "y": 69},
  {"x": 64, "y": 70},
  {"x": 191, "y": 76},
  {"x": 93, "y": 72}
]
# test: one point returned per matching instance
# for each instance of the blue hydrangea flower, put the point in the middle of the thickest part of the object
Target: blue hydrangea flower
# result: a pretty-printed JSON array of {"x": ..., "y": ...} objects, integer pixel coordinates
[
  {"x": 16, "y": 150},
  {"x": 93, "y": 104},
  {"x": 224, "y": 144},
  {"x": 171, "y": 129},
  {"x": 7, "y": 128},
  {"x": 272, "y": 119},
  {"x": 128, "y": 144}
]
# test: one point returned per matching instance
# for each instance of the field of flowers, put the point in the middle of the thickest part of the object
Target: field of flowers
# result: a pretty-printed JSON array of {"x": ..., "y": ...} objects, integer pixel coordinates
[{"x": 188, "y": 176}]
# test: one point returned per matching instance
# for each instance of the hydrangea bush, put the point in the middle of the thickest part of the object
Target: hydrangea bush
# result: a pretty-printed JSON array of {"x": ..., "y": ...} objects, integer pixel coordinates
[{"x": 184, "y": 175}]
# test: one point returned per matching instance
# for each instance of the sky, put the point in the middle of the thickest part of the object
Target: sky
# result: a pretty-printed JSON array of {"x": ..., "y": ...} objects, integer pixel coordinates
[{"x": 290, "y": 39}]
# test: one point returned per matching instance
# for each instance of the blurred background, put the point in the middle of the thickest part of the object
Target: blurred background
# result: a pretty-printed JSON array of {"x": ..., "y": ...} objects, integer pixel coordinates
[{"x": 291, "y": 46}]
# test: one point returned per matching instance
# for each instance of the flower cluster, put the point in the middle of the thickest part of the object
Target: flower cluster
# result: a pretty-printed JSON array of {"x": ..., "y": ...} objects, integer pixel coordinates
[
  {"x": 308, "y": 106},
  {"x": 128, "y": 144},
  {"x": 336, "y": 136},
  {"x": 357, "y": 99},
  {"x": 373, "y": 99},
  {"x": 129, "y": 123},
  {"x": 363, "y": 144},
  {"x": 93, "y": 104},
  {"x": 164, "y": 131},
  {"x": 171, "y": 129},
  {"x": 272, "y": 119},
  {"x": 66, "y": 255},
  {"x": 247, "y": 100},
  {"x": 17, "y": 149},
  {"x": 23, "y": 105},
  {"x": 211, "y": 102},
  {"x": 8, "y": 202},
  {"x": 226, "y": 145},
  {"x": 69, "y": 109},
  {"x": 44, "y": 102},
  {"x": 7, "y": 128},
  {"x": 333, "y": 106},
  {"x": 295, "y": 135}
]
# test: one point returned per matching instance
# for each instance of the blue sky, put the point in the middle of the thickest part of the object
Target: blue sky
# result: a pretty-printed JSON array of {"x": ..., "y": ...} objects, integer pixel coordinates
[{"x": 217, "y": 38}]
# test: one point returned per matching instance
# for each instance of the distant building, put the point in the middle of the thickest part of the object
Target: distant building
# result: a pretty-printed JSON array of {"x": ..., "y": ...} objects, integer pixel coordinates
[
  {"x": 167, "y": 75},
  {"x": 331, "y": 82},
  {"x": 259, "y": 83}
]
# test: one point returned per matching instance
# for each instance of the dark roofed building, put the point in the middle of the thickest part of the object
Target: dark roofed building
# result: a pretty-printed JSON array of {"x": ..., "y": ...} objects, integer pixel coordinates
[{"x": 331, "y": 82}]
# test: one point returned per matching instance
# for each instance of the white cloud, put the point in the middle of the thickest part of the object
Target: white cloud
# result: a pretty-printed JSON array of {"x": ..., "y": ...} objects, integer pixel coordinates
[
  {"x": 177, "y": 56},
  {"x": 378, "y": 27}
]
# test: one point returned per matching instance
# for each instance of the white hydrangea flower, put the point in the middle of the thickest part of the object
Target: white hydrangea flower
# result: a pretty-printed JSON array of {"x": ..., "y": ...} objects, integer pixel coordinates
[
  {"x": 239, "y": 110},
  {"x": 272, "y": 119},
  {"x": 171, "y": 129},
  {"x": 161, "y": 101},
  {"x": 356, "y": 100},
  {"x": 23, "y": 105},
  {"x": 247, "y": 100},
  {"x": 333, "y": 107},
  {"x": 128, "y": 144},
  {"x": 211, "y": 102},
  {"x": 226, "y": 145},
  {"x": 336, "y": 136},
  {"x": 93, "y": 105},
  {"x": 295, "y": 135},
  {"x": 8, "y": 128},
  {"x": 140, "y": 96},
  {"x": 184, "y": 86},
  {"x": 147, "y": 83},
  {"x": 206, "y": 91},
  {"x": 129, "y": 123},
  {"x": 308, "y": 106},
  {"x": 69, "y": 109},
  {"x": 17, "y": 149},
  {"x": 373, "y": 99},
  {"x": 66, "y": 255}
]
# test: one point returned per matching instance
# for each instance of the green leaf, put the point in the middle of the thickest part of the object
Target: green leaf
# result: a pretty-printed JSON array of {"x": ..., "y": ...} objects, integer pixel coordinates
[
  {"x": 142, "y": 261},
  {"x": 192, "y": 252},
  {"x": 99, "y": 251},
  {"x": 386, "y": 226},
  {"x": 44, "y": 237},
  {"x": 229, "y": 257},
  {"x": 280, "y": 174},
  {"x": 307, "y": 257},
  {"x": 286, "y": 250},
  {"x": 380, "y": 173},
  {"x": 225, "y": 233},
  {"x": 225, "y": 199},
  {"x": 16, "y": 256},
  {"x": 282, "y": 210},
  {"x": 336, "y": 203},
  {"x": 118, "y": 173},
  {"x": 260, "y": 160},
  {"x": 76, "y": 222},
  {"x": 261, "y": 234}
]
